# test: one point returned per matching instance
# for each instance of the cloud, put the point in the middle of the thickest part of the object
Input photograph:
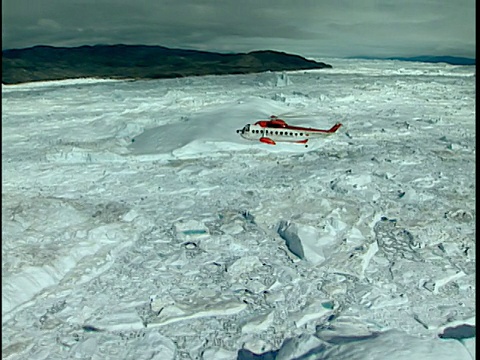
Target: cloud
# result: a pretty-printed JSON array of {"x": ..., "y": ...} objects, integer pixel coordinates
[
  {"x": 49, "y": 24},
  {"x": 328, "y": 27}
]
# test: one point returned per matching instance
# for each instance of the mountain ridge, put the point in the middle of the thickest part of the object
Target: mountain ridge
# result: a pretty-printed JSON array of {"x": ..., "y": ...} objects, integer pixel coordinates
[
  {"x": 43, "y": 62},
  {"x": 452, "y": 60}
]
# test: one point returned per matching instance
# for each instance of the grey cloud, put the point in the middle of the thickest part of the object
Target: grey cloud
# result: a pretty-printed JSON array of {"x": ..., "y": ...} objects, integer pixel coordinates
[{"x": 328, "y": 27}]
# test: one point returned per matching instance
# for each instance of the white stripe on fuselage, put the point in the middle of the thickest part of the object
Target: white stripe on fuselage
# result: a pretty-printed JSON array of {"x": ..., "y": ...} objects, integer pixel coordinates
[{"x": 278, "y": 134}]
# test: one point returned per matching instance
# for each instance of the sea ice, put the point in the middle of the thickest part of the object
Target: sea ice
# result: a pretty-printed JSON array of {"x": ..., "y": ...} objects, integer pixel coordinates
[{"x": 137, "y": 223}]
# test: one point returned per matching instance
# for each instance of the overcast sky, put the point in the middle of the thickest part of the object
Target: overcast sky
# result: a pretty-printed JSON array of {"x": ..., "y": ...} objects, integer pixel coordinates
[{"x": 329, "y": 28}]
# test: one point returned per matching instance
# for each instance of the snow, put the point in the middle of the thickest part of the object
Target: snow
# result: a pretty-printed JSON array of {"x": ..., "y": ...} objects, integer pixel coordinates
[{"x": 136, "y": 222}]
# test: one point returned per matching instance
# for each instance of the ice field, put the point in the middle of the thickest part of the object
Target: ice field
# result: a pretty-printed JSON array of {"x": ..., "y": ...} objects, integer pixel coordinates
[{"x": 137, "y": 224}]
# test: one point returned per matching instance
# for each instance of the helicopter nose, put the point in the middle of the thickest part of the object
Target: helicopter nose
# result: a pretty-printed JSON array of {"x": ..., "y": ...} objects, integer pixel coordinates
[{"x": 239, "y": 131}]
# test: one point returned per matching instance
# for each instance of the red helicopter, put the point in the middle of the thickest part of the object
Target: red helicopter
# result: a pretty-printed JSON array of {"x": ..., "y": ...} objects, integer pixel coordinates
[{"x": 277, "y": 130}]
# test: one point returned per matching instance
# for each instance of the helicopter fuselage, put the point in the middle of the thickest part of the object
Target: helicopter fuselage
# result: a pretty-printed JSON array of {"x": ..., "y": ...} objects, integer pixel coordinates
[{"x": 277, "y": 130}]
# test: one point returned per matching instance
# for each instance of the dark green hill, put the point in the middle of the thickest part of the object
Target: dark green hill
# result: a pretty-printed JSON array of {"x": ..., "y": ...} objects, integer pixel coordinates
[{"x": 41, "y": 63}]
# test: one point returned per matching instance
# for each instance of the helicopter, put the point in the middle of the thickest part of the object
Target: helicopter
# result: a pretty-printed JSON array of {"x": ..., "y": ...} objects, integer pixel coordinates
[{"x": 277, "y": 130}]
